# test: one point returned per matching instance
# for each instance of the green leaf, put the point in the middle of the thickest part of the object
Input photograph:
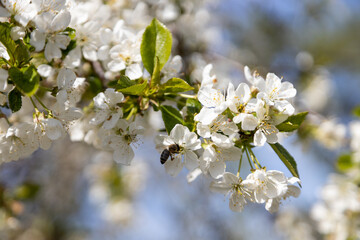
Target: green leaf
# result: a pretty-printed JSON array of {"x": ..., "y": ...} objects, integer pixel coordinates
[
  {"x": 175, "y": 85},
  {"x": 137, "y": 89},
  {"x": 171, "y": 116},
  {"x": 15, "y": 101},
  {"x": 356, "y": 111},
  {"x": 7, "y": 41},
  {"x": 292, "y": 123},
  {"x": 344, "y": 162},
  {"x": 18, "y": 52},
  {"x": 21, "y": 54},
  {"x": 155, "y": 78},
  {"x": 26, "y": 79},
  {"x": 286, "y": 158},
  {"x": 3, "y": 62},
  {"x": 193, "y": 106},
  {"x": 156, "y": 42},
  {"x": 124, "y": 82}
]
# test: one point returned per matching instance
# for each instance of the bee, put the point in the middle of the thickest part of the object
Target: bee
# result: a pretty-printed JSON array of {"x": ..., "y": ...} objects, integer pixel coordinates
[{"x": 172, "y": 149}]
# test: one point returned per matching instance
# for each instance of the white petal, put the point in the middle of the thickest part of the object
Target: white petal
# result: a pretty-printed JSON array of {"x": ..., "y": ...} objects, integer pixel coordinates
[
  {"x": 61, "y": 97},
  {"x": 62, "y": 41},
  {"x": 45, "y": 142},
  {"x": 103, "y": 53},
  {"x": 191, "y": 140},
  {"x": 134, "y": 71},
  {"x": 52, "y": 51},
  {"x": 90, "y": 52},
  {"x": 4, "y": 12},
  {"x": 220, "y": 187},
  {"x": 45, "y": 70},
  {"x": 217, "y": 169},
  {"x": 273, "y": 82},
  {"x": 272, "y": 137},
  {"x": 249, "y": 122},
  {"x": 3, "y": 79},
  {"x": 273, "y": 190},
  {"x": 37, "y": 39},
  {"x": 243, "y": 93},
  {"x": 293, "y": 191},
  {"x": 124, "y": 154},
  {"x": 259, "y": 138},
  {"x": 210, "y": 97},
  {"x": 284, "y": 107},
  {"x": 113, "y": 97},
  {"x": 111, "y": 121},
  {"x": 237, "y": 202},
  {"x": 272, "y": 205},
  {"x": 177, "y": 133},
  {"x": 73, "y": 59},
  {"x": 248, "y": 75},
  {"x": 65, "y": 78},
  {"x": 206, "y": 116},
  {"x": 116, "y": 65},
  {"x": 207, "y": 80},
  {"x": 61, "y": 21},
  {"x": 174, "y": 167},
  {"x": 221, "y": 140},
  {"x": 287, "y": 90},
  {"x": 260, "y": 196},
  {"x": 276, "y": 176},
  {"x": 54, "y": 128},
  {"x": 203, "y": 130},
  {"x": 191, "y": 160},
  {"x": 193, "y": 175},
  {"x": 230, "y": 178}
]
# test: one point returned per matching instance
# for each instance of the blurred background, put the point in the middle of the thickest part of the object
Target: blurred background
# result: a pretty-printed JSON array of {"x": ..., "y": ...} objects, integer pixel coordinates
[{"x": 74, "y": 192}]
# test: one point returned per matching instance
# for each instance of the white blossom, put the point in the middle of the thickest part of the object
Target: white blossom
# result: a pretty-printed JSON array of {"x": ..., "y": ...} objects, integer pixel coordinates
[
  {"x": 119, "y": 140},
  {"x": 187, "y": 141},
  {"x": 107, "y": 110},
  {"x": 213, "y": 102},
  {"x": 213, "y": 159},
  {"x": 236, "y": 187},
  {"x": 267, "y": 184},
  {"x": 48, "y": 33},
  {"x": 23, "y": 10}
]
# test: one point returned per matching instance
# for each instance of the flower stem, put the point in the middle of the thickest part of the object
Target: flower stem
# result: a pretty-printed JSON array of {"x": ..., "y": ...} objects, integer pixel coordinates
[
  {"x": 33, "y": 103},
  {"x": 253, "y": 155},
  {"x": 133, "y": 110},
  {"x": 248, "y": 157},
  {"x": 41, "y": 103},
  {"x": 240, "y": 162},
  {"x": 46, "y": 89}
]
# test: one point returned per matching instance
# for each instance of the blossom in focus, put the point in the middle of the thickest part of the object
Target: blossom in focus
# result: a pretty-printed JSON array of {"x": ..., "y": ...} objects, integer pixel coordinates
[
  {"x": 187, "y": 141},
  {"x": 107, "y": 110},
  {"x": 236, "y": 187}
]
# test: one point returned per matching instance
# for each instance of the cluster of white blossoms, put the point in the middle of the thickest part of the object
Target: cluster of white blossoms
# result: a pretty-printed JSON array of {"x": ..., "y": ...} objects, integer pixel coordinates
[
  {"x": 92, "y": 69},
  {"x": 64, "y": 36},
  {"x": 22, "y": 139},
  {"x": 228, "y": 126},
  {"x": 338, "y": 213}
]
